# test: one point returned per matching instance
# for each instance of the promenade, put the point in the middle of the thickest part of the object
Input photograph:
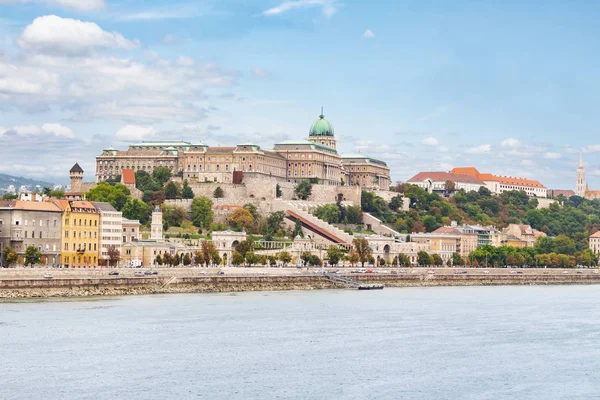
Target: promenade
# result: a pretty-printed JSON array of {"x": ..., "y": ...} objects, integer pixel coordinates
[{"x": 53, "y": 282}]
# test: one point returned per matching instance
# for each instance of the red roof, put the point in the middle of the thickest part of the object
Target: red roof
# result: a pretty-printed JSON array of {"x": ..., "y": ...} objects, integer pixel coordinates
[
  {"x": 596, "y": 235},
  {"x": 128, "y": 177},
  {"x": 502, "y": 179},
  {"x": 444, "y": 176}
]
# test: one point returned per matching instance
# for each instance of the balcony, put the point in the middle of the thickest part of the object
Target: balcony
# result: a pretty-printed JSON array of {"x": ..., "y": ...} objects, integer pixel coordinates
[{"x": 16, "y": 234}]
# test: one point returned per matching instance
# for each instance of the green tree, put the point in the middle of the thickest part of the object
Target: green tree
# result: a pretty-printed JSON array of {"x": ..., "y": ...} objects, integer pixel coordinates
[
  {"x": 202, "y": 213},
  {"x": 187, "y": 192},
  {"x": 116, "y": 195},
  {"x": 298, "y": 229},
  {"x": 216, "y": 258},
  {"x": 334, "y": 255},
  {"x": 277, "y": 191},
  {"x": 171, "y": 191},
  {"x": 274, "y": 222},
  {"x": 162, "y": 174},
  {"x": 237, "y": 258},
  {"x": 437, "y": 260},
  {"x": 245, "y": 246},
  {"x": 218, "y": 193},
  {"x": 354, "y": 215},
  {"x": 403, "y": 260},
  {"x": 423, "y": 258},
  {"x": 57, "y": 194},
  {"x": 362, "y": 248},
  {"x": 303, "y": 189},
  {"x": 187, "y": 260},
  {"x": 329, "y": 213},
  {"x": 145, "y": 182},
  {"x": 158, "y": 260},
  {"x": 32, "y": 256},
  {"x": 457, "y": 260},
  {"x": 252, "y": 258},
  {"x": 285, "y": 257},
  {"x": 396, "y": 203},
  {"x": 137, "y": 210},
  {"x": 174, "y": 215},
  {"x": 563, "y": 245}
]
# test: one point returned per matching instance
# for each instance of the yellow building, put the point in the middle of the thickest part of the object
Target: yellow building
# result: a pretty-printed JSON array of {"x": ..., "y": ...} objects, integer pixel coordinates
[{"x": 79, "y": 233}]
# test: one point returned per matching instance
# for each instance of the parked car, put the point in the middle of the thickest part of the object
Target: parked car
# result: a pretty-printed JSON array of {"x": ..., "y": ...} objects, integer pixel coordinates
[
  {"x": 203, "y": 272},
  {"x": 47, "y": 275},
  {"x": 138, "y": 273},
  {"x": 565, "y": 272},
  {"x": 369, "y": 271},
  {"x": 113, "y": 273},
  {"x": 220, "y": 273},
  {"x": 486, "y": 272},
  {"x": 431, "y": 272}
]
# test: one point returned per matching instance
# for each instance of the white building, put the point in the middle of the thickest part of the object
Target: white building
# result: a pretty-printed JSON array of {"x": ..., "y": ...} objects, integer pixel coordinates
[
  {"x": 436, "y": 181},
  {"x": 131, "y": 230},
  {"x": 110, "y": 229}
]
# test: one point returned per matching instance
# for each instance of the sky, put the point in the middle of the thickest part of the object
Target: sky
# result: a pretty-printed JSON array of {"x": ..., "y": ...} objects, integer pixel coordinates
[{"x": 509, "y": 87}]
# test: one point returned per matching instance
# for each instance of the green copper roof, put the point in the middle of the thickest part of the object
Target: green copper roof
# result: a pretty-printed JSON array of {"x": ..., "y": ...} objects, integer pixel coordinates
[
  {"x": 313, "y": 145},
  {"x": 162, "y": 144},
  {"x": 321, "y": 127},
  {"x": 364, "y": 158}
]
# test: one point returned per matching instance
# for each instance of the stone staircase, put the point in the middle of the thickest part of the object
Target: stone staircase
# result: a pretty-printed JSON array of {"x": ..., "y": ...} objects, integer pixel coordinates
[{"x": 335, "y": 231}]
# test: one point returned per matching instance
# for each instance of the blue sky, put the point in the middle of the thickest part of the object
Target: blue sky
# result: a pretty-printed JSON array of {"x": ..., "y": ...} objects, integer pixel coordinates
[{"x": 509, "y": 87}]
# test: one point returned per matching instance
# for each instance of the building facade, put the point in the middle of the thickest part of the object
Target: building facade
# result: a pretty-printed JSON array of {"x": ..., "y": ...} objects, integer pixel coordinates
[
  {"x": 437, "y": 181},
  {"x": 290, "y": 160},
  {"x": 80, "y": 233},
  {"x": 110, "y": 231},
  {"x": 31, "y": 223},
  {"x": 499, "y": 184}
]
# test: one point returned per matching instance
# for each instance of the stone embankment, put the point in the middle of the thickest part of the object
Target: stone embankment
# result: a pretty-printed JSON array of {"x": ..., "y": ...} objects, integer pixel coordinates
[{"x": 28, "y": 283}]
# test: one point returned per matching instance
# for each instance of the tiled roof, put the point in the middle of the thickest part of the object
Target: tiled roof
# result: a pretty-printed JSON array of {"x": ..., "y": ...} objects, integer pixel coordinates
[
  {"x": 100, "y": 205},
  {"x": 444, "y": 176},
  {"x": 76, "y": 168},
  {"x": 595, "y": 235},
  {"x": 220, "y": 149},
  {"x": 567, "y": 193},
  {"x": 502, "y": 179},
  {"x": 128, "y": 177}
]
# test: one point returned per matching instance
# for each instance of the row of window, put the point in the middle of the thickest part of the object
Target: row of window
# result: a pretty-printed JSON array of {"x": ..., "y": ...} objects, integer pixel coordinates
[
  {"x": 81, "y": 247},
  {"x": 85, "y": 222},
  {"x": 86, "y": 235}
]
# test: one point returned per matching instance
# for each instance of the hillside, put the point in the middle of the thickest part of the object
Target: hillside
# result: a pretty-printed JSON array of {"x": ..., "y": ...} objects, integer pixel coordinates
[{"x": 6, "y": 180}]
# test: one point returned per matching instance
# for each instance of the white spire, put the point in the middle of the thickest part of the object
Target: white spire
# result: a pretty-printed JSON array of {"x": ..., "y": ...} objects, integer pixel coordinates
[
  {"x": 580, "y": 159},
  {"x": 580, "y": 184}
]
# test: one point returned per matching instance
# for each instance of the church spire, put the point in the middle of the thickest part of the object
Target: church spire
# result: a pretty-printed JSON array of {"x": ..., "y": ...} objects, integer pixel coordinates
[{"x": 580, "y": 184}]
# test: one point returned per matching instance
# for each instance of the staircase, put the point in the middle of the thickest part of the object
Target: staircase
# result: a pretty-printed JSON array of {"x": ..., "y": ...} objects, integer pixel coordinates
[{"x": 319, "y": 226}]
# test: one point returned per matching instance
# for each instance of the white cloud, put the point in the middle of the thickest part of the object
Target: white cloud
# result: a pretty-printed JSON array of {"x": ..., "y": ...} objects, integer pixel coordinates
[
  {"x": 369, "y": 146},
  {"x": 446, "y": 167},
  {"x": 261, "y": 73},
  {"x": 79, "y": 5},
  {"x": 328, "y": 7},
  {"x": 528, "y": 163},
  {"x": 510, "y": 142},
  {"x": 592, "y": 148},
  {"x": 430, "y": 141},
  {"x": 58, "y": 130},
  {"x": 52, "y": 129},
  {"x": 551, "y": 156},
  {"x": 483, "y": 149},
  {"x": 53, "y": 34},
  {"x": 443, "y": 149},
  {"x": 134, "y": 132},
  {"x": 185, "y": 61},
  {"x": 368, "y": 34}
]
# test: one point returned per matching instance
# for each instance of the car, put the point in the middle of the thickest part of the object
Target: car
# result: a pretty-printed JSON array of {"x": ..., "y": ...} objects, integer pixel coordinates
[
  {"x": 580, "y": 272},
  {"x": 402, "y": 271},
  {"x": 462, "y": 271},
  {"x": 298, "y": 272},
  {"x": 513, "y": 272},
  {"x": 220, "y": 273},
  {"x": 339, "y": 271},
  {"x": 203, "y": 272},
  {"x": 369, "y": 271},
  {"x": 147, "y": 273},
  {"x": 138, "y": 273},
  {"x": 565, "y": 272},
  {"x": 47, "y": 275},
  {"x": 486, "y": 272},
  {"x": 362, "y": 270},
  {"x": 385, "y": 271},
  {"x": 431, "y": 272},
  {"x": 113, "y": 273},
  {"x": 595, "y": 271}
]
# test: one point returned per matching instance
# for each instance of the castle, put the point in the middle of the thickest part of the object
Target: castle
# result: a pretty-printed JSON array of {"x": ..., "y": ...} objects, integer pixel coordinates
[{"x": 289, "y": 161}]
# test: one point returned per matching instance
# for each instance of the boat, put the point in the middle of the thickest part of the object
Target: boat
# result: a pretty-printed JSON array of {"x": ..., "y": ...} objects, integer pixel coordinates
[{"x": 370, "y": 287}]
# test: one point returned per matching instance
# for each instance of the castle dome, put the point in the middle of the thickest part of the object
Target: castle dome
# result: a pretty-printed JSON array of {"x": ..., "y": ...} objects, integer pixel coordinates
[{"x": 321, "y": 127}]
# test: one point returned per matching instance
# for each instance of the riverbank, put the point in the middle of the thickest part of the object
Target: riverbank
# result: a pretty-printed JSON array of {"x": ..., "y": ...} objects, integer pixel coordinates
[{"x": 82, "y": 284}]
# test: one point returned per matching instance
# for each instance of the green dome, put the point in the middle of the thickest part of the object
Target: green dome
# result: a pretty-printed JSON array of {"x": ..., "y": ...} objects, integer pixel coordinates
[{"x": 321, "y": 127}]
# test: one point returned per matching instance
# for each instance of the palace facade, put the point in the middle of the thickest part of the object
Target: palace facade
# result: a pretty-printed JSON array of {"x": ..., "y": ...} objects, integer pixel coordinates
[{"x": 290, "y": 160}]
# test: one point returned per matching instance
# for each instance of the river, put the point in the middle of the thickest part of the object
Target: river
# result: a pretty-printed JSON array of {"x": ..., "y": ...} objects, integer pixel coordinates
[{"x": 510, "y": 342}]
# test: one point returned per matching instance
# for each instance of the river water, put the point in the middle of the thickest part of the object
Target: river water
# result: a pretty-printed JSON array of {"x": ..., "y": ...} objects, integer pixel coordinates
[{"x": 511, "y": 342}]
